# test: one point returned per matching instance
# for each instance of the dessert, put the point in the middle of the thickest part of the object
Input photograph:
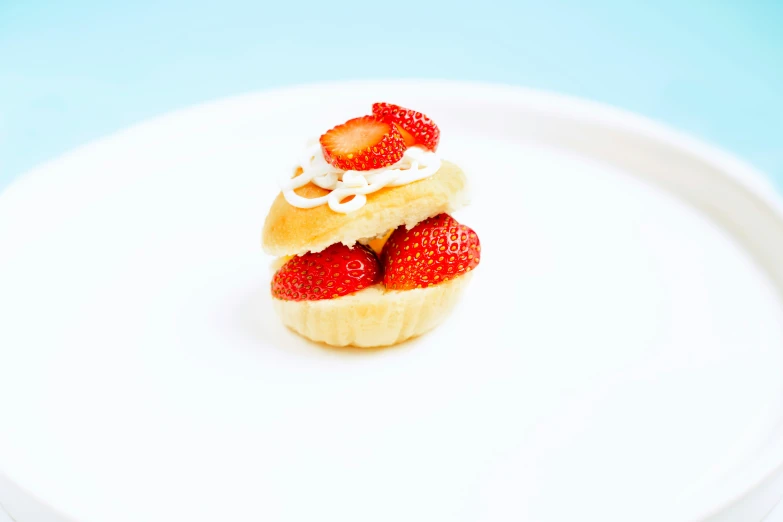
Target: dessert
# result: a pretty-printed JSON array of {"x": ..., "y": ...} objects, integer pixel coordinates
[{"x": 368, "y": 252}]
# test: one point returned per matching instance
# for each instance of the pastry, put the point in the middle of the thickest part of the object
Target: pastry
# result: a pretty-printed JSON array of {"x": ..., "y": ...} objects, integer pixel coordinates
[{"x": 368, "y": 252}]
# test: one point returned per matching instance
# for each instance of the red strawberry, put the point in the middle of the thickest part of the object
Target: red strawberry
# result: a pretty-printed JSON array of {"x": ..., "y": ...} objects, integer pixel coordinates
[
  {"x": 363, "y": 143},
  {"x": 338, "y": 270},
  {"x": 434, "y": 251},
  {"x": 416, "y": 128}
]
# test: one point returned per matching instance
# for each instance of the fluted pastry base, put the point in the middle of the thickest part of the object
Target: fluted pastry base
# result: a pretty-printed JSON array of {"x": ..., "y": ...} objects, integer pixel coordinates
[{"x": 374, "y": 316}]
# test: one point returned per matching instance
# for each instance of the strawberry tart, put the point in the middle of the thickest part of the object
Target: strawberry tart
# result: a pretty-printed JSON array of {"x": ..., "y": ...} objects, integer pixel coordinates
[{"x": 369, "y": 254}]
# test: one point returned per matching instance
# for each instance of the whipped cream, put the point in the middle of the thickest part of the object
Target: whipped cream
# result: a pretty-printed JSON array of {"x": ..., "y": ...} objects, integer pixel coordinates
[{"x": 415, "y": 164}]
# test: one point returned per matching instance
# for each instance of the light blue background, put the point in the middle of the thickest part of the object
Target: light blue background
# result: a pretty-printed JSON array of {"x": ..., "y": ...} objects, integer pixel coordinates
[{"x": 72, "y": 71}]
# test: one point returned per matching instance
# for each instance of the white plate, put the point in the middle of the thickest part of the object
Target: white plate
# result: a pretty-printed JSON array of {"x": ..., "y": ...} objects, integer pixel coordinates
[{"x": 617, "y": 357}]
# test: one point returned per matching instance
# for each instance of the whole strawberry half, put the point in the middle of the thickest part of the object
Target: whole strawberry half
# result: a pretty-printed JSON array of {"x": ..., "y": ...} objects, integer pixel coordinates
[
  {"x": 415, "y": 127},
  {"x": 339, "y": 270},
  {"x": 363, "y": 143},
  {"x": 436, "y": 250}
]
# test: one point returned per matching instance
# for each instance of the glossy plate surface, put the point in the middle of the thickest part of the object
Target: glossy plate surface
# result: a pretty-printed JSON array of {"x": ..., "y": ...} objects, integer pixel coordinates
[{"x": 621, "y": 344}]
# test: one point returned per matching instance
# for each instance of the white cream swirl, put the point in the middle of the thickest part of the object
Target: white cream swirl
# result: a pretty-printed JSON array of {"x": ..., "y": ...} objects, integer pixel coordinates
[{"x": 416, "y": 164}]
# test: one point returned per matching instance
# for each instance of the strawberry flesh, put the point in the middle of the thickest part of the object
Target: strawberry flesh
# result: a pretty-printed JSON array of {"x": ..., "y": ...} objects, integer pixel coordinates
[{"x": 363, "y": 143}]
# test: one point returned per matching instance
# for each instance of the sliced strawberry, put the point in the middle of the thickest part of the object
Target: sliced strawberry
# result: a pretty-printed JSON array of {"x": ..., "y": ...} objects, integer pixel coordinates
[
  {"x": 363, "y": 143},
  {"x": 339, "y": 270},
  {"x": 434, "y": 251},
  {"x": 418, "y": 128}
]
